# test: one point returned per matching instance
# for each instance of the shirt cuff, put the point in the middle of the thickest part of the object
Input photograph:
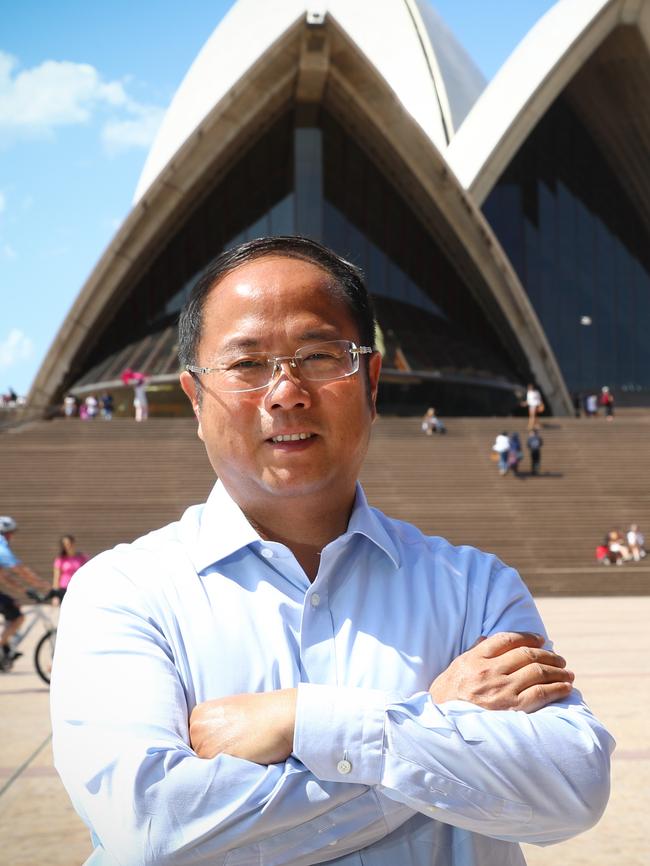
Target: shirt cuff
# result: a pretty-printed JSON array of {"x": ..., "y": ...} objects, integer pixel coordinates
[{"x": 339, "y": 733}]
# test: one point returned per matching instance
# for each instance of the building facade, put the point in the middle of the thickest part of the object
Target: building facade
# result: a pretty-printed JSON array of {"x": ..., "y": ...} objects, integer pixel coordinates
[{"x": 486, "y": 238}]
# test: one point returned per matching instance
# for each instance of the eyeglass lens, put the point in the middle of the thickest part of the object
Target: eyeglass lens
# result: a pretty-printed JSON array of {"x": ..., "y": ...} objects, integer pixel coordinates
[{"x": 333, "y": 359}]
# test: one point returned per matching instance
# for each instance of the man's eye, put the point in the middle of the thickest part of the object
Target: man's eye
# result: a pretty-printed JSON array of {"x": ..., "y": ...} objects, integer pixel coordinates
[
  {"x": 321, "y": 356},
  {"x": 247, "y": 364}
]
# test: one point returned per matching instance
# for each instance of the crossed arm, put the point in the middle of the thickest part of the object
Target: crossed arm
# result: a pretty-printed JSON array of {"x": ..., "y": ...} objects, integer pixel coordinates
[
  {"x": 457, "y": 753},
  {"x": 508, "y": 671}
]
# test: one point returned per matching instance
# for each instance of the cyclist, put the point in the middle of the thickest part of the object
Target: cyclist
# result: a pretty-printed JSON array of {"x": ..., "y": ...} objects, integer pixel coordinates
[{"x": 10, "y": 569}]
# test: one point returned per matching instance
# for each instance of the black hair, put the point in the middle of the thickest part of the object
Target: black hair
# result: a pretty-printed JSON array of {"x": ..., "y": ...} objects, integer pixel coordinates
[
  {"x": 63, "y": 551},
  {"x": 348, "y": 284}
]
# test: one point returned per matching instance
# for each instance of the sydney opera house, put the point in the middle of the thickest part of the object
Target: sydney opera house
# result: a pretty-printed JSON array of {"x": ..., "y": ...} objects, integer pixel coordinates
[{"x": 504, "y": 228}]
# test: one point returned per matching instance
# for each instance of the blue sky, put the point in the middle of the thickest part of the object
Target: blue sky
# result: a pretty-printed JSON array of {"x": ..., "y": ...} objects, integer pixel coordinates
[{"x": 83, "y": 87}]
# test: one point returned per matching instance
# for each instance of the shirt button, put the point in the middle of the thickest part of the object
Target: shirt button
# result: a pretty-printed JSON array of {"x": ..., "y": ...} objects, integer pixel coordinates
[
  {"x": 344, "y": 767},
  {"x": 315, "y": 600},
  {"x": 266, "y": 553}
]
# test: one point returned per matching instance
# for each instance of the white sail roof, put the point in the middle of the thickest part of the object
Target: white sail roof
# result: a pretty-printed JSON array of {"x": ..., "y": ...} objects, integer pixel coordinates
[{"x": 395, "y": 35}]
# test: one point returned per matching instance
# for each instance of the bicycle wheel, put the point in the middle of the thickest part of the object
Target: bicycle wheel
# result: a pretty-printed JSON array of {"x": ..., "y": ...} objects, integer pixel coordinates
[{"x": 43, "y": 655}]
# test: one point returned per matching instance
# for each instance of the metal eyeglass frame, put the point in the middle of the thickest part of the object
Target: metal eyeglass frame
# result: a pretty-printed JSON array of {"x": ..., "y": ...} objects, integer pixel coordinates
[{"x": 293, "y": 361}]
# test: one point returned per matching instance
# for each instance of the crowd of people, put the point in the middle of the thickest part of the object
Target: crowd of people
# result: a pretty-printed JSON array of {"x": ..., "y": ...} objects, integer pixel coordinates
[
  {"x": 508, "y": 452},
  {"x": 90, "y": 407},
  {"x": 591, "y": 403},
  {"x": 618, "y": 547}
]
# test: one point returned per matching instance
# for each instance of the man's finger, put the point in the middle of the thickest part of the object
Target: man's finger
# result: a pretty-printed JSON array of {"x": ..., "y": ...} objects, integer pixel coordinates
[
  {"x": 500, "y": 643},
  {"x": 521, "y": 657},
  {"x": 537, "y": 674},
  {"x": 539, "y": 696}
]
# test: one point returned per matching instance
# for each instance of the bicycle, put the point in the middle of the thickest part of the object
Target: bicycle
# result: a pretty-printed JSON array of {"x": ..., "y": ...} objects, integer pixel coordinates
[{"x": 44, "y": 651}]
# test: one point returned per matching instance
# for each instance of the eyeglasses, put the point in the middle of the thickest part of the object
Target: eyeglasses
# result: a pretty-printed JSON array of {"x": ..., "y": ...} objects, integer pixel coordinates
[{"x": 318, "y": 362}]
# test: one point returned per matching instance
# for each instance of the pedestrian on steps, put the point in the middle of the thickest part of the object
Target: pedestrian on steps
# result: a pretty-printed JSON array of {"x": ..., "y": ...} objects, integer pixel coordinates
[{"x": 534, "y": 444}]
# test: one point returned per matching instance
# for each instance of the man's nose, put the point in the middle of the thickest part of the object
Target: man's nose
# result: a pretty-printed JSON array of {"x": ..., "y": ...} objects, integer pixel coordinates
[{"x": 287, "y": 389}]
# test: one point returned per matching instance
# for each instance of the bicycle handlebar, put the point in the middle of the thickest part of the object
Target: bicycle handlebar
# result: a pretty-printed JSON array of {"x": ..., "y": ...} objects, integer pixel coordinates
[{"x": 43, "y": 598}]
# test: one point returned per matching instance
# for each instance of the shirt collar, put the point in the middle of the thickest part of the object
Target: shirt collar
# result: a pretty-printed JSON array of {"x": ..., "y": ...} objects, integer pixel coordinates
[
  {"x": 223, "y": 529},
  {"x": 367, "y": 521}
]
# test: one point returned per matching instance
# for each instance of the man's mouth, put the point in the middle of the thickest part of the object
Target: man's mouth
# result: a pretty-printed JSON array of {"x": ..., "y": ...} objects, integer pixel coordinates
[{"x": 291, "y": 437}]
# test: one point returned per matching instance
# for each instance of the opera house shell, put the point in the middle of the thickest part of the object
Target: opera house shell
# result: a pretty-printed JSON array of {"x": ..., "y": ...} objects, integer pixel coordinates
[{"x": 504, "y": 229}]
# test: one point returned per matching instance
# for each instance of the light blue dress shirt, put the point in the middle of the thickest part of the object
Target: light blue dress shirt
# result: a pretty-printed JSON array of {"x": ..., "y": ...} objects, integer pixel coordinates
[{"x": 380, "y": 775}]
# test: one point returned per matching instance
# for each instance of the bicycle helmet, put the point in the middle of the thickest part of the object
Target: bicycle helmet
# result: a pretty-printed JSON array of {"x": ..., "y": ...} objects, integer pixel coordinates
[{"x": 8, "y": 524}]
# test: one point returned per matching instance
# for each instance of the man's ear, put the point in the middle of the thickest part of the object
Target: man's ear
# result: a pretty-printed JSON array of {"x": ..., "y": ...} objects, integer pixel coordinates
[
  {"x": 374, "y": 369},
  {"x": 191, "y": 388}
]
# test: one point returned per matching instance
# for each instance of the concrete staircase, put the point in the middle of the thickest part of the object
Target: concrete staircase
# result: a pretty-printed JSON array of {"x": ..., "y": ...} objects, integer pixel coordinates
[{"x": 110, "y": 482}]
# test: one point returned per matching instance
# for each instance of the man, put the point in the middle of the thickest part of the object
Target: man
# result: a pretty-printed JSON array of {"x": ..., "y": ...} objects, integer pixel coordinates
[
  {"x": 534, "y": 444},
  {"x": 287, "y": 676},
  {"x": 10, "y": 569}
]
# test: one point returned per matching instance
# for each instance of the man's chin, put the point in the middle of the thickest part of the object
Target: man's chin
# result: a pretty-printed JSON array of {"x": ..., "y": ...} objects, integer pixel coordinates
[{"x": 294, "y": 484}]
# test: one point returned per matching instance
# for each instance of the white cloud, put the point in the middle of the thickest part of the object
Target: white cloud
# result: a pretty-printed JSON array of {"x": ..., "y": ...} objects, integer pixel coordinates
[
  {"x": 34, "y": 102},
  {"x": 16, "y": 347},
  {"x": 7, "y": 251},
  {"x": 3, "y": 201},
  {"x": 136, "y": 131}
]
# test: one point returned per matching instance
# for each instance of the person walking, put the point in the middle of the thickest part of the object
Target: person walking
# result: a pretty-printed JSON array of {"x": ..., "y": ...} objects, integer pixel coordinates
[
  {"x": 535, "y": 405},
  {"x": 534, "y": 444},
  {"x": 502, "y": 448},
  {"x": 514, "y": 453}
]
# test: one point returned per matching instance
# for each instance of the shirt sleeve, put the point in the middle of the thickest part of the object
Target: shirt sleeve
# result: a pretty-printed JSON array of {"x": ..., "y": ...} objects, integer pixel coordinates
[
  {"x": 7, "y": 558},
  {"x": 522, "y": 777},
  {"x": 121, "y": 746}
]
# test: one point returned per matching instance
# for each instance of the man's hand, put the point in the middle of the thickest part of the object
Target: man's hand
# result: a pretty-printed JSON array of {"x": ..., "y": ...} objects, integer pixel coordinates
[
  {"x": 258, "y": 726},
  {"x": 508, "y": 671}
]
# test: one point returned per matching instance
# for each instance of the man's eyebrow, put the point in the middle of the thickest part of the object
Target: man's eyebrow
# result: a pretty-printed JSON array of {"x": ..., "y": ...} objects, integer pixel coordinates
[
  {"x": 324, "y": 333},
  {"x": 242, "y": 344}
]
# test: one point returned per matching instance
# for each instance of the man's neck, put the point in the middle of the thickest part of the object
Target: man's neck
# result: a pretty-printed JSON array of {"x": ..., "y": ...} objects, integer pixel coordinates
[{"x": 303, "y": 527}]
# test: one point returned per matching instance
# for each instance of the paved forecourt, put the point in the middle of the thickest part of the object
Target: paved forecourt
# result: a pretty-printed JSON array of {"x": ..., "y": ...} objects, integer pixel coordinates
[{"x": 605, "y": 640}]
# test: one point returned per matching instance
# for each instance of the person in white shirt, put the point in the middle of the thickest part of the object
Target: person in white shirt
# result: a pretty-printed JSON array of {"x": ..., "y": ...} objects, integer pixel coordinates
[
  {"x": 501, "y": 447},
  {"x": 534, "y": 404},
  {"x": 636, "y": 542},
  {"x": 140, "y": 401},
  {"x": 287, "y": 675}
]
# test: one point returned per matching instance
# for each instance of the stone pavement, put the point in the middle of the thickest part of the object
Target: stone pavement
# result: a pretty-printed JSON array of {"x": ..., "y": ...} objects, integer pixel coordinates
[{"x": 607, "y": 643}]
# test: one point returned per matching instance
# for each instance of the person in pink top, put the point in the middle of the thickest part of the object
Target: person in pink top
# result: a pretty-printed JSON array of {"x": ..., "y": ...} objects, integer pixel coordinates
[{"x": 66, "y": 563}]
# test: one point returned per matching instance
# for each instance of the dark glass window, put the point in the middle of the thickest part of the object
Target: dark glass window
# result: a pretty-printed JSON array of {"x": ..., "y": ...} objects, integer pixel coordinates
[
  {"x": 255, "y": 198},
  {"x": 429, "y": 319},
  {"x": 319, "y": 182},
  {"x": 580, "y": 249}
]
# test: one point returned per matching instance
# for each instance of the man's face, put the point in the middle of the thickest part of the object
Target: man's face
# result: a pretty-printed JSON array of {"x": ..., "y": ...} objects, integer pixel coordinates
[{"x": 275, "y": 305}]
